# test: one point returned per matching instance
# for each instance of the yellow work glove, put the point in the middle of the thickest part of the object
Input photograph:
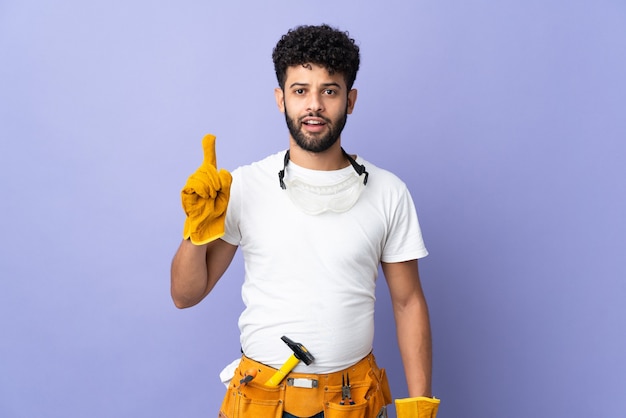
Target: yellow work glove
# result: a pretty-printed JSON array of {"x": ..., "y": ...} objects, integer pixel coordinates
[
  {"x": 420, "y": 407},
  {"x": 205, "y": 198}
]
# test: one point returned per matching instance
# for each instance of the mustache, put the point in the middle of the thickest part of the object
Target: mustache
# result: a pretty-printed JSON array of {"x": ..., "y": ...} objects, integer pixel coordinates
[{"x": 314, "y": 115}]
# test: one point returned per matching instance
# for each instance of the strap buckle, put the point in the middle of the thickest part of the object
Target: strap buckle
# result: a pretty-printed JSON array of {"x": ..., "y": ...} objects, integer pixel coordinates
[{"x": 302, "y": 383}]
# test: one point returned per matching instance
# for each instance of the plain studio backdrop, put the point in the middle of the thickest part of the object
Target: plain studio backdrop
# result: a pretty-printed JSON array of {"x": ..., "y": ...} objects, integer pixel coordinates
[{"x": 506, "y": 119}]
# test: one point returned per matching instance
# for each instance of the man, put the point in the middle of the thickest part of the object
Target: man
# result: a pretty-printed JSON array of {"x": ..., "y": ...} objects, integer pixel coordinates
[{"x": 314, "y": 223}]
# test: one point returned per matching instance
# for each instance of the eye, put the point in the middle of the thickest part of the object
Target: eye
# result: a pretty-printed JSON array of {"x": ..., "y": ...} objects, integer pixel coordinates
[
  {"x": 299, "y": 91},
  {"x": 329, "y": 92}
]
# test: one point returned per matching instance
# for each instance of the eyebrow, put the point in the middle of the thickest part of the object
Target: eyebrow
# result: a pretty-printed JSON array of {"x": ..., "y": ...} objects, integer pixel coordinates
[{"x": 324, "y": 85}]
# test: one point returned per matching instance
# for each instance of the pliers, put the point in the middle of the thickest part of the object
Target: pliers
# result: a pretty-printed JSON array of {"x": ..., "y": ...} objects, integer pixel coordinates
[{"x": 346, "y": 396}]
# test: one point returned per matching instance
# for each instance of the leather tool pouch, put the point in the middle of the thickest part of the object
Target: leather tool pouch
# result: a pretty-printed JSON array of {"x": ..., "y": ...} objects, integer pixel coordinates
[
  {"x": 370, "y": 397},
  {"x": 369, "y": 390},
  {"x": 252, "y": 400}
]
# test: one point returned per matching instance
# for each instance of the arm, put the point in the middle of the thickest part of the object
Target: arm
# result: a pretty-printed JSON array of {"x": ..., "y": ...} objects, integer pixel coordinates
[
  {"x": 197, "y": 268},
  {"x": 412, "y": 324}
]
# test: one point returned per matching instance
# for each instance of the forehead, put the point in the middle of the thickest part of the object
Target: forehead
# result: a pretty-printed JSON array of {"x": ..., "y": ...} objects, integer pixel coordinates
[{"x": 312, "y": 74}]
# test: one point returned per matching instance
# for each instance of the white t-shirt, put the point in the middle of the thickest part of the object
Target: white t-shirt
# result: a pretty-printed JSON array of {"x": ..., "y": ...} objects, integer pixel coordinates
[{"x": 312, "y": 277}]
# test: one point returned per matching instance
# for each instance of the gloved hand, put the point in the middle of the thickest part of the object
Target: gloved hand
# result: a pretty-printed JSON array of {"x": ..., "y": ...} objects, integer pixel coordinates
[
  {"x": 205, "y": 198},
  {"x": 419, "y": 407}
]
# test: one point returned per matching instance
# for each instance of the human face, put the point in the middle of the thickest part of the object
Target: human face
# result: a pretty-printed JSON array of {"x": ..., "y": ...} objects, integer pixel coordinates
[{"x": 316, "y": 105}]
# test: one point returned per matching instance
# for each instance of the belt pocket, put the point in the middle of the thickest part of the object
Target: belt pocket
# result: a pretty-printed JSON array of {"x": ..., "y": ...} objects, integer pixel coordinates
[
  {"x": 369, "y": 397},
  {"x": 252, "y": 400},
  {"x": 332, "y": 410}
]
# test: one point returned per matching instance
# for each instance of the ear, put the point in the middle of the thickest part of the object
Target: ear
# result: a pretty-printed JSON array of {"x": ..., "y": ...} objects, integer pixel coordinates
[
  {"x": 279, "y": 95},
  {"x": 352, "y": 94}
]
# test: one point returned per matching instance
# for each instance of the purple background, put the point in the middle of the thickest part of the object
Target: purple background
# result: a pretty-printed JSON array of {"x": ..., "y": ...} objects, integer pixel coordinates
[{"x": 505, "y": 118}]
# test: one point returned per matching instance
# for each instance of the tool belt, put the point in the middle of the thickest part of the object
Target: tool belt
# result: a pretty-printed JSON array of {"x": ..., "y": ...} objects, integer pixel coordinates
[{"x": 305, "y": 395}]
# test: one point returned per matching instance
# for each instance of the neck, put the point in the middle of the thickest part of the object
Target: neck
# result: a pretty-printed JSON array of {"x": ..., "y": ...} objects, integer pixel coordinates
[{"x": 331, "y": 159}]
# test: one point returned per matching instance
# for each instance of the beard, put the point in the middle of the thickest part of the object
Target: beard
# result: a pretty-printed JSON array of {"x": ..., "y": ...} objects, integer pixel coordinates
[{"x": 316, "y": 143}]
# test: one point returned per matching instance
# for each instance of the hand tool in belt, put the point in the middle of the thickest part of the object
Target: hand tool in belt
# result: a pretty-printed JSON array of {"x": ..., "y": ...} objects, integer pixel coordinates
[
  {"x": 346, "y": 395},
  {"x": 300, "y": 353},
  {"x": 248, "y": 376}
]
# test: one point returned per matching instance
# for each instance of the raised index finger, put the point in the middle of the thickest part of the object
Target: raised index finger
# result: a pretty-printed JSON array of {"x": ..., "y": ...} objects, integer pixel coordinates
[{"x": 208, "y": 145}]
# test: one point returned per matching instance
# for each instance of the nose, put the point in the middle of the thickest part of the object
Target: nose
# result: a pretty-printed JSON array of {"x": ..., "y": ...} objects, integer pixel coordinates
[{"x": 315, "y": 103}]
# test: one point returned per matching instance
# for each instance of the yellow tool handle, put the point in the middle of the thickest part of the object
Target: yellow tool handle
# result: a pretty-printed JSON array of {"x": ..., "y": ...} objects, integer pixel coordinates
[{"x": 283, "y": 371}]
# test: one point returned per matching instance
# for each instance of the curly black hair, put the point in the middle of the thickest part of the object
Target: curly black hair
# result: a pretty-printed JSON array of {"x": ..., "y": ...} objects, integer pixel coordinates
[{"x": 322, "y": 45}]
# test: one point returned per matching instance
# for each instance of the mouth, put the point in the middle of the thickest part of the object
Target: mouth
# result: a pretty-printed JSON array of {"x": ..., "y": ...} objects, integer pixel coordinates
[
  {"x": 313, "y": 121},
  {"x": 313, "y": 124}
]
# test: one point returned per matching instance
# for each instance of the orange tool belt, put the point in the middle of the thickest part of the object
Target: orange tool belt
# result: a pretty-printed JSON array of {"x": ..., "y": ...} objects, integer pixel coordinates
[{"x": 305, "y": 395}]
